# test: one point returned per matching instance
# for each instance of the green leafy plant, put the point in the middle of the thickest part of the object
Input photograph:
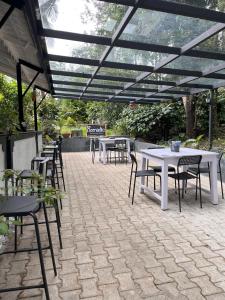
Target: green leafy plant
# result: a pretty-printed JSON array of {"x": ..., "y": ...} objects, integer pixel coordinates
[{"x": 194, "y": 143}]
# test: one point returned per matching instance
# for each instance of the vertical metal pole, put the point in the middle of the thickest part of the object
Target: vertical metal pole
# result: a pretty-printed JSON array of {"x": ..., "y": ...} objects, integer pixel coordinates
[
  {"x": 20, "y": 97},
  {"x": 35, "y": 119},
  {"x": 211, "y": 108}
]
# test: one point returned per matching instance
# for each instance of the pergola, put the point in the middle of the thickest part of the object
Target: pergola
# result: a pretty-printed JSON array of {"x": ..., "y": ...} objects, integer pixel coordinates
[{"x": 131, "y": 56}]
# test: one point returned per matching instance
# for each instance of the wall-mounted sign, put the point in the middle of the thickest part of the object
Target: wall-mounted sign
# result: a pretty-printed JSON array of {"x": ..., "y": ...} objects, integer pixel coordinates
[{"x": 95, "y": 130}]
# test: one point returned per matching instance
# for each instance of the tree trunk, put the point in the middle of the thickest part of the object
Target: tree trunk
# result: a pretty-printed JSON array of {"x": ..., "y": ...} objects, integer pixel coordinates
[{"x": 189, "y": 106}]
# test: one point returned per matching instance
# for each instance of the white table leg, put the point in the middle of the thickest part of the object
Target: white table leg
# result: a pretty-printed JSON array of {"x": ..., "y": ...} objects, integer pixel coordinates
[
  {"x": 104, "y": 153},
  {"x": 143, "y": 166},
  {"x": 164, "y": 188},
  {"x": 128, "y": 150},
  {"x": 213, "y": 176},
  {"x": 100, "y": 151}
]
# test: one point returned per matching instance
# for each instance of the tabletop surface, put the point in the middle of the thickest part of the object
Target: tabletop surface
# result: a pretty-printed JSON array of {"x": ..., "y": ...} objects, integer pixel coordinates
[
  {"x": 114, "y": 139},
  {"x": 167, "y": 153}
]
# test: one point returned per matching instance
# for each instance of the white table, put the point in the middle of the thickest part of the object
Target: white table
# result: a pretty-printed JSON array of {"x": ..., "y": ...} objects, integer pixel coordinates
[
  {"x": 105, "y": 141},
  {"x": 164, "y": 157}
]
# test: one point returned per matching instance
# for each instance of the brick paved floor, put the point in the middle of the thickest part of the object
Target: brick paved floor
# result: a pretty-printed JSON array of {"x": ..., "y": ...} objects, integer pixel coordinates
[{"x": 113, "y": 250}]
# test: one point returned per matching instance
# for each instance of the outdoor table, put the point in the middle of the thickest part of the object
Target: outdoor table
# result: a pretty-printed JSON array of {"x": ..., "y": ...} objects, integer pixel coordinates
[
  {"x": 165, "y": 157},
  {"x": 102, "y": 147}
]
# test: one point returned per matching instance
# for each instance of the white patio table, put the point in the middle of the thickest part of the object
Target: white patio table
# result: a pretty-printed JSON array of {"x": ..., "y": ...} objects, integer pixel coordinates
[
  {"x": 165, "y": 157},
  {"x": 102, "y": 147}
]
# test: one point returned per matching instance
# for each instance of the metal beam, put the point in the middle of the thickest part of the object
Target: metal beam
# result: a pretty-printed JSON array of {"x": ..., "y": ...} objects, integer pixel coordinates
[
  {"x": 125, "y": 66},
  {"x": 20, "y": 97},
  {"x": 176, "y": 8},
  {"x": 16, "y": 3},
  {"x": 30, "y": 84},
  {"x": 6, "y": 15},
  {"x": 101, "y": 40},
  {"x": 124, "y": 22}
]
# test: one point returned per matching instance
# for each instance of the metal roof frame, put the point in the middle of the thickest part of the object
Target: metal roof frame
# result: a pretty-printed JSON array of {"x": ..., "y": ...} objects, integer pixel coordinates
[{"x": 164, "y": 86}]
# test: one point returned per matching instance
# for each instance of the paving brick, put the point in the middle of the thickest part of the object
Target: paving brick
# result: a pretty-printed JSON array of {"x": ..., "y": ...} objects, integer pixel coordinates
[
  {"x": 89, "y": 288},
  {"x": 191, "y": 269},
  {"x": 110, "y": 292},
  {"x": 170, "y": 265},
  {"x": 182, "y": 280},
  {"x": 101, "y": 261},
  {"x": 147, "y": 286},
  {"x": 105, "y": 276},
  {"x": 119, "y": 266},
  {"x": 170, "y": 291},
  {"x": 125, "y": 281},
  {"x": 159, "y": 275},
  {"x": 207, "y": 288},
  {"x": 213, "y": 274},
  {"x": 69, "y": 282},
  {"x": 86, "y": 271}
]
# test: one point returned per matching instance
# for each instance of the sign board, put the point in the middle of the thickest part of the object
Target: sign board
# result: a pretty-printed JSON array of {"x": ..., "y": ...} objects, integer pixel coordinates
[{"x": 95, "y": 130}]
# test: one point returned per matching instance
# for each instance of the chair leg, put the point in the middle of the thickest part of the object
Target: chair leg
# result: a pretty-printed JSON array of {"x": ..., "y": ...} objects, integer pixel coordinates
[
  {"x": 200, "y": 191},
  {"x": 196, "y": 188},
  {"x": 41, "y": 256},
  {"x": 183, "y": 187},
  {"x": 154, "y": 182},
  {"x": 49, "y": 239},
  {"x": 21, "y": 227},
  {"x": 209, "y": 180},
  {"x": 131, "y": 173},
  {"x": 134, "y": 189},
  {"x": 64, "y": 186},
  {"x": 221, "y": 183},
  {"x": 15, "y": 237},
  {"x": 58, "y": 223},
  {"x": 179, "y": 198}
]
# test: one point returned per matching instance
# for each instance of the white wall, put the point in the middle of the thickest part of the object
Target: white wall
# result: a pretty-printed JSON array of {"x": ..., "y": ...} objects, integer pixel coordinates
[{"x": 23, "y": 152}]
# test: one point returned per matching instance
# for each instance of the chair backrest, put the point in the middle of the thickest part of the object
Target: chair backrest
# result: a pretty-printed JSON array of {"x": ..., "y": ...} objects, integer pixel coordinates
[
  {"x": 133, "y": 159},
  {"x": 121, "y": 143},
  {"x": 190, "y": 160}
]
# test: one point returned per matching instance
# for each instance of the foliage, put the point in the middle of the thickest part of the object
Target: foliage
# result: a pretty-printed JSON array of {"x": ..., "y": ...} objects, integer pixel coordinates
[
  {"x": 194, "y": 143},
  {"x": 146, "y": 119}
]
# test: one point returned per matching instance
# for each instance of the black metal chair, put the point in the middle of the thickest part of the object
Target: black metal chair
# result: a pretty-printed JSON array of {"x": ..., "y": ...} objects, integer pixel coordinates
[
  {"x": 184, "y": 176},
  {"x": 23, "y": 206},
  {"x": 120, "y": 151},
  {"x": 140, "y": 173},
  {"x": 206, "y": 170},
  {"x": 29, "y": 175}
]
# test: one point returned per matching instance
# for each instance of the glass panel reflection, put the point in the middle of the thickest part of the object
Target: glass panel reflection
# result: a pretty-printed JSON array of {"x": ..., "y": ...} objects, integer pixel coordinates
[
  {"x": 82, "y": 16},
  {"x": 74, "y": 48},
  {"x": 163, "y": 28}
]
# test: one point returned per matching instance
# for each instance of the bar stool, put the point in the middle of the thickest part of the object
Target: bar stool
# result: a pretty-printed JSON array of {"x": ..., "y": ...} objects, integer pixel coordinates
[{"x": 22, "y": 206}]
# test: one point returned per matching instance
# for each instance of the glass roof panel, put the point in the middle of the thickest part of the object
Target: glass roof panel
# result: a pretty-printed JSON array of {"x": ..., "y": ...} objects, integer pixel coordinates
[
  {"x": 108, "y": 82},
  {"x": 133, "y": 92},
  {"x": 208, "y": 81},
  {"x": 165, "y": 77},
  {"x": 82, "y": 16},
  {"x": 69, "y": 78},
  {"x": 216, "y": 43},
  {"x": 145, "y": 86},
  {"x": 221, "y": 71},
  {"x": 209, "y": 4},
  {"x": 133, "y": 56},
  {"x": 66, "y": 86},
  {"x": 65, "y": 92},
  {"x": 110, "y": 91},
  {"x": 193, "y": 63},
  {"x": 61, "y": 66},
  {"x": 118, "y": 72},
  {"x": 163, "y": 28},
  {"x": 74, "y": 48}
]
